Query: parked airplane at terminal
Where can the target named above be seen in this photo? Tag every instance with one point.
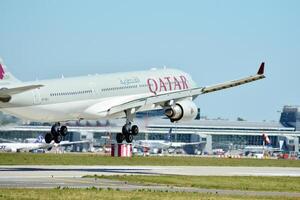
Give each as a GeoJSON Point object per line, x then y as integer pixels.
{"type": "Point", "coordinates": [39, 143]}
{"type": "Point", "coordinates": [106, 96]}
{"type": "Point", "coordinates": [163, 144]}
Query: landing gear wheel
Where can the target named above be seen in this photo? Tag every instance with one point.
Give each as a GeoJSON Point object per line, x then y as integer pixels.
{"type": "Point", "coordinates": [55, 129]}
{"type": "Point", "coordinates": [58, 139]}
{"type": "Point", "coordinates": [120, 138]}
{"type": "Point", "coordinates": [134, 130]}
{"type": "Point", "coordinates": [63, 131]}
{"type": "Point", "coordinates": [48, 138]}
{"type": "Point", "coordinates": [126, 129]}
{"type": "Point", "coordinates": [129, 138]}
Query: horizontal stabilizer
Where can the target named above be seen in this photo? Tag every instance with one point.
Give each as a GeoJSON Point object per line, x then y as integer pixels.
{"type": "Point", "coordinates": [6, 93]}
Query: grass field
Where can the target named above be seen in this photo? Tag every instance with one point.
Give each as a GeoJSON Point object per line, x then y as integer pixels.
{"type": "Point", "coordinates": [93, 159]}
{"type": "Point", "coordinates": [74, 194]}
{"type": "Point", "coordinates": [280, 184]}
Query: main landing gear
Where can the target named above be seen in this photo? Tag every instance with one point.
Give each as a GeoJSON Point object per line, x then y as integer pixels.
{"type": "Point", "coordinates": [128, 130]}
{"type": "Point", "coordinates": [57, 133]}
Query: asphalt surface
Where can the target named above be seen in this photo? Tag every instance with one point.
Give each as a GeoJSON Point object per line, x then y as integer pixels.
{"type": "Point", "coordinates": [79, 171]}
{"type": "Point", "coordinates": [71, 177]}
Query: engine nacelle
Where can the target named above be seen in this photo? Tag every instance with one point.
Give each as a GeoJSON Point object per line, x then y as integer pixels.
{"type": "Point", "coordinates": [182, 110]}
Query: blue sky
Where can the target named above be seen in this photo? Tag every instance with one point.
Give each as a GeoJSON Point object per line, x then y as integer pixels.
{"type": "Point", "coordinates": [212, 40]}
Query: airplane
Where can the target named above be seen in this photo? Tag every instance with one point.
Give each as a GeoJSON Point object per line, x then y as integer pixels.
{"type": "Point", "coordinates": [163, 144]}
{"type": "Point", "coordinates": [39, 143]}
{"type": "Point", "coordinates": [155, 145]}
{"type": "Point", "coordinates": [106, 96]}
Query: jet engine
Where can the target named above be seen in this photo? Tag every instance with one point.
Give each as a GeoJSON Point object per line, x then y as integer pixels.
{"type": "Point", "coordinates": [182, 110]}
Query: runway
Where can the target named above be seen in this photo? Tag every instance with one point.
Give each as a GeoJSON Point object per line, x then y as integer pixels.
{"type": "Point", "coordinates": [79, 171]}
{"type": "Point", "coordinates": [71, 176]}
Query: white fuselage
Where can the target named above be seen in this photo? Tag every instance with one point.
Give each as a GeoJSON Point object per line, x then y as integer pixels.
{"type": "Point", "coordinates": [14, 147]}
{"type": "Point", "coordinates": [86, 97]}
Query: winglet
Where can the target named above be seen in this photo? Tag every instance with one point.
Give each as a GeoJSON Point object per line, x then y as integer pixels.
{"type": "Point", "coordinates": [261, 69]}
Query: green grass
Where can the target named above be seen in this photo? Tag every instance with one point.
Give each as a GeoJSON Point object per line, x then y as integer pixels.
{"type": "Point", "coordinates": [93, 159]}
{"type": "Point", "coordinates": [74, 194]}
{"type": "Point", "coordinates": [280, 184]}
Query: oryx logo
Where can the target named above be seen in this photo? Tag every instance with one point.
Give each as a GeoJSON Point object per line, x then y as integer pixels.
{"type": "Point", "coordinates": [2, 72]}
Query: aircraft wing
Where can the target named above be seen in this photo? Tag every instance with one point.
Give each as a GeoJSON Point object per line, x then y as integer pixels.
{"type": "Point", "coordinates": [163, 98]}
{"type": "Point", "coordinates": [47, 146]}
{"type": "Point", "coordinates": [34, 146]}
{"type": "Point", "coordinates": [6, 93]}
{"type": "Point", "coordinates": [258, 76]}
{"type": "Point", "coordinates": [2, 140]}
{"type": "Point", "coordinates": [181, 144]}
{"type": "Point", "coordinates": [66, 143]}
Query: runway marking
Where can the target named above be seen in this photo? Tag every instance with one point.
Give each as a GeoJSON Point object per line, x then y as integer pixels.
{"type": "Point", "coordinates": [73, 180]}
{"type": "Point", "coordinates": [105, 183]}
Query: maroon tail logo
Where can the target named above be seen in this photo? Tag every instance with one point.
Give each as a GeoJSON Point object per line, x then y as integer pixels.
{"type": "Point", "coordinates": [2, 72]}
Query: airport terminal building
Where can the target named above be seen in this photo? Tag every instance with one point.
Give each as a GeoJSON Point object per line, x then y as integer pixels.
{"type": "Point", "coordinates": [229, 135]}
{"type": "Point", "coordinates": [234, 135]}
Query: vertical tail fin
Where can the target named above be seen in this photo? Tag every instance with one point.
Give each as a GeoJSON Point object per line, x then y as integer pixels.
{"type": "Point", "coordinates": [39, 139]}
{"type": "Point", "coordinates": [168, 136]}
{"type": "Point", "coordinates": [6, 77]}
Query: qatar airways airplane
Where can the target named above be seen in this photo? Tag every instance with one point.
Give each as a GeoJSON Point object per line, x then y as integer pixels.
{"type": "Point", "coordinates": [106, 96]}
